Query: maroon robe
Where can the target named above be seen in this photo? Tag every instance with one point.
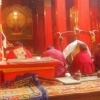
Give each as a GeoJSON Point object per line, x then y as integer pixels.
{"type": "Point", "coordinates": [60, 69]}
{"type": "Point", "coordinates": [97, 59]}
{"type": "Point", "coordinates": [82, 62]}
{"type": "Point", "coordinates": [11, 54]}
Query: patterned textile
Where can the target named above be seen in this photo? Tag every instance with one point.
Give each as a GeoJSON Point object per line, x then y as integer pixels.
{"type": "Point", "coordinates": [21, 93]}
{"type": "Point", "coordinates": [56, 88]}
{"type": "Point", "coordinates": [26, 87]}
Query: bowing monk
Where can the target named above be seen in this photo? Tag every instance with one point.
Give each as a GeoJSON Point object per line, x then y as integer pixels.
{"type": "Point", "coordinates": [18, 52]}
{"type": "Point", "coordinates": [82, 62]}
{"type": "Point", "coordinates": [60, 69]}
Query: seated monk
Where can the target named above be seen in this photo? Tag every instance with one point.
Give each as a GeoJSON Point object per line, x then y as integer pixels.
{"type": "Point", "coordinates": [18, 52]}
{"type": "Point", "coordinates": [82, 62]}
{"type": "Point", "coordinates": [60, 69]}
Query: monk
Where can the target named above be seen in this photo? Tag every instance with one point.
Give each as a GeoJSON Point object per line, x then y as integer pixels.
{"type": "Point", "coordinates": [18, 52]}
{"type": "Point", "coordinates": [82, 62]}
{"type": "Point", "coordinates": [72, 49]}
{"type": "Point", "coordinates": [97, 57]}
{"type": "Point", "coordinates": [60, 69]}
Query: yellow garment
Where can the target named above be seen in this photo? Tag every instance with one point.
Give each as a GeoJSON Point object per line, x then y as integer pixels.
{"type": "Point", "coordinates": [20, 53]}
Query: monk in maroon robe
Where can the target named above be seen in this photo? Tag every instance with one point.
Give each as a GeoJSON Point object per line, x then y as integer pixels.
{"type": "Point", "coordinates": [60, 69]}
{"type": "Point", "coordinates": [82, 62]}
{"type": "Point", "coordinates": [97, 57]}
{"type": "Point", "coordinates": [18, 52]}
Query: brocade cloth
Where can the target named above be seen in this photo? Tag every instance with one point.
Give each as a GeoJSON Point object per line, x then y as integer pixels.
{"type": "Point", "coordinates": [25, 87]}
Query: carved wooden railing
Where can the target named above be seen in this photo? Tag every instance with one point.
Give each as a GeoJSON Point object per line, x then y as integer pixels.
{"type": "Point", "coordinates": [91, 38]}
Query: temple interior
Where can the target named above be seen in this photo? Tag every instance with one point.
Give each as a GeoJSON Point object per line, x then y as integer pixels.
{"type": "Point", "coordinates": [39, 24]}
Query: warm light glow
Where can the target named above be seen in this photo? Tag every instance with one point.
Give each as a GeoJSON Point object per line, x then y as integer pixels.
{"type": "Point", "coordinates": [15, 13]}
{"type": "Point", "coordinates": [0, 2]}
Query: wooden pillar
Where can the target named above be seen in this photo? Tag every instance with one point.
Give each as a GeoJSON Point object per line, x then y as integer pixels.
{"type": "Point", "coordinates": [39, 38]}
{"type": "Point", "coordinates": [1, 47]}
{"type": "Point", "coordinates": [82, 17]}
{"type": "Point", "coordinates": [43, 26]}
{"type": "Point", "coordinates": [82, 20]}
{"type": "Point", "coordinates": [48, 23]}
{"type": "Point", "coordinates": [59, 20]}
{"type": "Point", "coordinates": [94, 14]}
{"type": "Point", "coordinates": [0, 26]}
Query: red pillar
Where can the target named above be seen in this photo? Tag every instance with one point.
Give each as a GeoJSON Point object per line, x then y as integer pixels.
{"type": "Point", "coordinates": [39, 30]}
{"type": "Point", "coordinates": [48, 23]}
{"type": "Point", "coordinates": [43, 26]}
{"type": "Point", "coordinates": [82, 14]}
{"type": "Point", "coordinates": [82, 20]}
{"type": "Point", "coordinates": [0, 29]}
{"type": "Point", "coordinates": [59, 20]}
{"type": "Point", "coordinates": [1, 47]}
{"type": "Point", "coordinates": [94, 14]}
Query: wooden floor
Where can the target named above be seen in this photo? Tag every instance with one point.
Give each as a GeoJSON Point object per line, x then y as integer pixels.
{"type": "Point", "coordinates": [88, 90]}
{"type": "Point", "coordinates": [87, 96]}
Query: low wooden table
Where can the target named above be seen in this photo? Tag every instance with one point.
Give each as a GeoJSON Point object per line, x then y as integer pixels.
{"type": "Point", "coordinates": [43, 67]}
